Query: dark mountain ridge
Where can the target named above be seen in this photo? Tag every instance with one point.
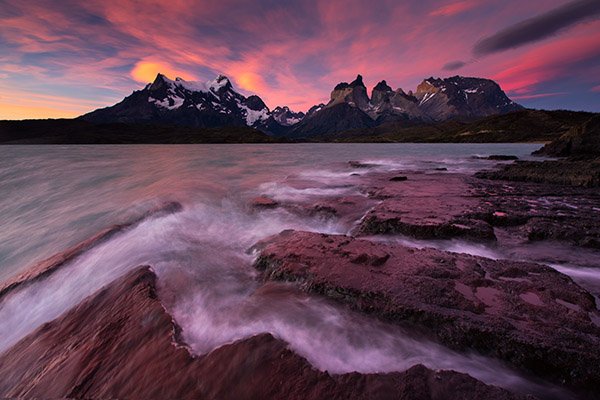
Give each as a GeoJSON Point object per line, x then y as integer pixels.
{"type": "Point", "coordinates": [216, 103]}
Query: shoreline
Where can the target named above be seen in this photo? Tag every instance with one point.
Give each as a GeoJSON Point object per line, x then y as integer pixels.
{"type": "Point", "coordinates": [418, 206]}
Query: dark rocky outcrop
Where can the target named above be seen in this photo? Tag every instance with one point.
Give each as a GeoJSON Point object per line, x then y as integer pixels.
{"type": "Point", "coordinates": [501, 157]}
{"type": "Point", "coordinates": [527, 314]}
{"type": "Point", "coordinates": [585, 173]}
{"type": "Point", "coordinates": [121, 343]}
{"type": "Point", "coordinates": [581, 167]}
{"type": "Point", "coordinates": [263, 202]}
{"type": "Point", "coordinates": [540, 211]}
{"type": "Point", "coordinates": [580, 141]}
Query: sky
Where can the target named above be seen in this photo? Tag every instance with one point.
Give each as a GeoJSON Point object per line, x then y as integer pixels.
{"type": "Point", "coordinates": [65, 58]}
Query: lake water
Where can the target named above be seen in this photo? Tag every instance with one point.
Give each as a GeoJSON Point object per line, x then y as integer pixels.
{"type": "Point", "coordinates": [52, 197]}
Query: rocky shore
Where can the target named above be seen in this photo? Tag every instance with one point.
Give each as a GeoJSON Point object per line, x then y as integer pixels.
{"type": "Point", "coordinates": [527, 314]}
{"type": "Point", "coordinates": [121, 342]}
{"type": "Point", "coordinates": [580, 165]}
{"type": "Point", "coordinates": [515, 311]}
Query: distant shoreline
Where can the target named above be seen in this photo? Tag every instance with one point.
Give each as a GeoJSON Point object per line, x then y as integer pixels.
{"type": "Point", "coordinates": [528, 126]}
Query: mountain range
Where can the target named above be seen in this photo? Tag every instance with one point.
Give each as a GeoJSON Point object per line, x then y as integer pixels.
{"type": "Point", "coordinates": [216, 103]}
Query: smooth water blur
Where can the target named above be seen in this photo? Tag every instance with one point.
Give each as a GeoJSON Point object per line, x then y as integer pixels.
{"type": "Point", "coordinates": [55, 196]}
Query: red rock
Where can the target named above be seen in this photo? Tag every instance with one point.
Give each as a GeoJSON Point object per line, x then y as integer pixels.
{"type": "Point", "coordinates": [121, 343]}
{"type": "Point", "coordinates": [468, 302]}
{"type": "Point", "coordinates": [424, 207]}
{"type": "Point", "coordinates": [263, 202]}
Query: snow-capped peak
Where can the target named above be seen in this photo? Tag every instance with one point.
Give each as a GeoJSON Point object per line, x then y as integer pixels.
{"type": "Point", "coordinates": [211, 86]}
{"type": "Point", "coordinates": [219, 82]}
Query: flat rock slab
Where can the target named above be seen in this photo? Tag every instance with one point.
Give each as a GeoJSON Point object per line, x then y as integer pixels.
{"type": "Point", "coordinates": [584, 173]}
{"type": "Point", "coordinates": [541, 211]}
{"type": "Point", "coordinates": [121, 343]}
{"type": "Point", "coordinates": [527, 314]}
{"type": "Point", "coordinates": [425, 206]}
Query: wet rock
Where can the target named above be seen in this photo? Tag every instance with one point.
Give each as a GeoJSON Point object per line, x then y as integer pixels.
{"type": "Point", "coordinates": [263, 202]}
{"type": "Point", "coordinates": [585, 173]}
{"type": "Point", "coordinates": [387, 219]}
{"type": "Point", "coordinates": [398, 178]}
{"type": "Point", "coordinates": [359, 164]}
{"type": "Point", "coordinates": [55, 262]}
{"type": "Point", "coordinates": [538, 211]}
{"type": "Point", "coordinates": [424, 207]}
{"type": "Point", "coordinates": [582, 232]}
{"type": "Point", "coordinates": [121, 343]}
{"type": "Point", "coordinates": [579, 141]}
{"type": "Point", "coordinates": [501, 157]}
{"type": "Point", "coordinates": [505, 309]}
{"type": "Point", "coordinates": [345, 209]}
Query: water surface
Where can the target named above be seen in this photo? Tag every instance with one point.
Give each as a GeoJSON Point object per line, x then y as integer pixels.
{"type": "Point", "coordinates": [56, 196]}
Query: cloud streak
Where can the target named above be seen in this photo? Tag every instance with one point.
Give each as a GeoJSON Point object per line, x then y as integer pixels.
{"type": "Point", "coordinates": [290, 53]}
{"type": "Point", "coordinates": [539, 27]}
{"type": "Point", "coordinates": [454, 65]}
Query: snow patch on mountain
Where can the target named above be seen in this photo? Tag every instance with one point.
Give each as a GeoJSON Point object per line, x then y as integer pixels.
{"type": "Point", "coordinates": [169, 103]}
{"type": "Point", "coordinates": [252, 116]}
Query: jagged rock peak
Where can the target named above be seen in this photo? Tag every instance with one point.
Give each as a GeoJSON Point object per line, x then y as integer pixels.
{"type": "Point", "coordinates": [358, 82]}
{"type": "Point", "coordinates": [381, 93]}
{"type": "Point", "coordinates": [314, 109]}
{"type": "Point", "coordinates": [218, 85]}
{"type": "Point", "coordinates": [382, 87]}
{"type": "Point", "coordinates": [254, 102]}
{"type": "Point", "coordinates": [159, 82]}
{"type": "Point", "coordinates": [286, 117]}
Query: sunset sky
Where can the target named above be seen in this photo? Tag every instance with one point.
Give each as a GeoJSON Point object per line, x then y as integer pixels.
{"type": "Point", "coordinates": [65, 58]}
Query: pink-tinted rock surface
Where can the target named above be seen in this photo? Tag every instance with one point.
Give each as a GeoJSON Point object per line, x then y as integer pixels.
{"type": "Point", "coordinates": [540, 211]}
{"type": "Point", "coordinates": [121, 343]}
{"type": "Point", "coordinates": [511, 310]}
{"type": "Point", "coordinates": [434, 206]}
{"type": "Point", "coordinates": [264, 202]}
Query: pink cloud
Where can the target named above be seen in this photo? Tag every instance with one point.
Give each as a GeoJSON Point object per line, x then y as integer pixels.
{"type": "Point", "coordinates": [537, 96]}
{"type": "Point", "coordinates": [291, 54]}
{"type": "Point", "coordinates": [550, 61]}
{"type": "Point", "coordinates": [454, 8]}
